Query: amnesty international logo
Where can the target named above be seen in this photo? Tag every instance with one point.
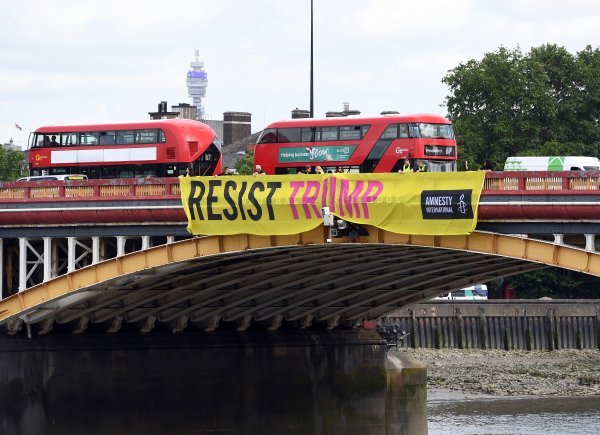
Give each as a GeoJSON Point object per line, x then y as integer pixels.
{"type": "Point", "coordinates": [462, 205]}
{"type": "Point", "coordinates": [446, 204]}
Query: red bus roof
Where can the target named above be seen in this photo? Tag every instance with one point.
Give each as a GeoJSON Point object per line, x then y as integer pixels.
{"type": "Point", "coordinates": [355, 120]}
{"type": "Point", "coordinates": [158, 123]}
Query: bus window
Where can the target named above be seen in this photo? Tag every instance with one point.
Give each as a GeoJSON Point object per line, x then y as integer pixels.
{"type": "Point", "coordinates": [145, 136]}
{"type": "Point", "coordinates": [437, 131]}
{"type": "Point", "coordinates": [125, 171]}
{"type": "Point", "coordinates": [308, 134]}
{"type": "Point", "coordinates": [441, 166]}
{"type": "Point", "coordinates": [41, 140]}
{"type": "Point", "coordinates": [69, 139]}
{"type": "Point", "coordinates": [269, 135]}
{"type": "Point", "coordinates": [403, 130]}
{"type": "Point", "coordinates": [90, 138]}
{"type": "Point", "coordinates": [413, 130]}
{"type": "Point", "coordinates": [350, 132]}
{"type": "Point", "coordinates": [329, 133]}
{"type": "Point", "coordinates": [391, 132]}
{"type": "Point", "coordinates": [288, 135]}
{"type": "Point", "coordinates": [108, 138]}
{"type": "Point", "coordinates": [125, 137]}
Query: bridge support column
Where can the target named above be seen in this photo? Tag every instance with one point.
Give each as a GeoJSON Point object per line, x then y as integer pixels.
{"type": "Point", "coordinates": [301, 382]}
{"type": "Point", "coordinates": [95, 249]}
{"type": "Point", "coordinates": [559, 239]}
{"type": "Point", "coordinates": [22, 263]}
{"type": "Point", "coordinates": [71, 254]}
{"type": "Point", "coordinates": [590, 242]}
{"type": "Point", "coordinates": [145, 242]}
{"type": "Point", "coordinates": [47, 258]}
{"type": "Point", "coordinates": [121, 240]}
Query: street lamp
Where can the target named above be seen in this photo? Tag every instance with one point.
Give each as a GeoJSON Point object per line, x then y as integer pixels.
{"type": "Point", "coordinates": [312, 107]}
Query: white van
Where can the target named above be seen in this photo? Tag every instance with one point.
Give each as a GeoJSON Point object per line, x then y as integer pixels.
{"type": "Point", "coordinates": [476, 292]}
{"type": "Point", "coordinates": [568, 163]}
{"type": "Point", "coordinates": [61, 177]}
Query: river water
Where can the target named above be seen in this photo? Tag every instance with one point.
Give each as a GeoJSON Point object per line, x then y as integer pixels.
{"type": "Point", "coordinates": [455, 413]}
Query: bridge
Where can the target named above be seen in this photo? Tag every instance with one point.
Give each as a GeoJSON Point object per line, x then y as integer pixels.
{"type": "Point", "coordinates": [57, 238]}
{"type": "Point", "coordinates": [107, 299]}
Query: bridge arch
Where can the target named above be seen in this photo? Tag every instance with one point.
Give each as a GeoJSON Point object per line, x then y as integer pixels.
{"type": "Point", "coordinates": [299, 280]}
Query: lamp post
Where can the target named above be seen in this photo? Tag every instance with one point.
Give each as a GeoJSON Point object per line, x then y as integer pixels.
{"type": "Point", "coordinates": [312, 108]}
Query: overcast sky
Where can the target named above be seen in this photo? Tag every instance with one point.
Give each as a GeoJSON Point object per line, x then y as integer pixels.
{"type": "Point", "coordinates": [69, 61]}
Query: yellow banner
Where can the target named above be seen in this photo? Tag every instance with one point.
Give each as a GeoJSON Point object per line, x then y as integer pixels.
{"type": "Point", "coordinates": [436, 203]}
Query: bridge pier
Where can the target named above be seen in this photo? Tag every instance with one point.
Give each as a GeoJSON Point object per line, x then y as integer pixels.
{"type": "Point", "coordinates": [292, 382]}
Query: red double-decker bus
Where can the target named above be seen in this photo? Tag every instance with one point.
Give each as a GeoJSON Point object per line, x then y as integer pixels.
{"type": "Point", "coordinates": [357, 144]}
{"type": "Point", "coordinates": [160, 148]}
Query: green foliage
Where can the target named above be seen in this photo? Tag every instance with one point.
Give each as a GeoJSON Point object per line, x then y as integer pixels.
{"type": "Point", "coordinates": [508, 103]}
{"type": "Point", "coordinates": [245, 166]}
{"type": "Point", "coordinates": [554, 283]}
{"type": "Point", "coordinates": [10, 164]}
{"type": "Point", "coordinates": [545, 102]}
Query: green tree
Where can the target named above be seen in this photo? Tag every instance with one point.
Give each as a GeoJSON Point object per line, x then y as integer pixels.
{"type": "Point", "coordinates": [552, 282]}
{"type": "Point", "coordinates": [245, 166]}
{"type": "Point", "coordinates": [10, 164]}
{"type": "Point", "coordinates": [508, 103]}
{"type": "Point", "coordinates": [545, 102]}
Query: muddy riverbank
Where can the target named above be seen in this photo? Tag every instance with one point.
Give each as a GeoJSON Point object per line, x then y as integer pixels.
{"type": "Point", "coordinates": [512, 373]}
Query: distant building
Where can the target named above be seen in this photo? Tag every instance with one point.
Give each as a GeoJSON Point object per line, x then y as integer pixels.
{"type": "Point", "coordinates": [300, 113]}
{"type": "Point", "coordinates": [186, 111]}
{"type": "Point", "coordinates": [162, 112]}
{"type": "Point", "coordinates": [216, 125]}
{"type": "Point", "coordinates": [197, 81]}
{"type": "Point", "coordinates": [346, 112]}
{"type": "Point", "coordinates": [236, 126]}
{"type": "Point", "coordinates": [10, 146]}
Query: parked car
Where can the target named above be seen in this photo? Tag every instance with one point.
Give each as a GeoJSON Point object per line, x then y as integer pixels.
{"type": "Point", "coordinates": [476, 292]}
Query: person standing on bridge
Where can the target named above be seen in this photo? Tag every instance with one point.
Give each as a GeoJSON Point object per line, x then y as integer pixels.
{"type": "Point", "coordinates": [405, 166]}
{"type": "Point", "coordinates": [420, 167]}
{"type": "Point", "coordinates": [259, 171]}
{"type": "Point", "coordinates": [487, 165]}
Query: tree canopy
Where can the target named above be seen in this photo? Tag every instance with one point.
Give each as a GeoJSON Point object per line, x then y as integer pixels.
{"type": "Point", "coordinates": [545, 102]}
{"type": "Point", "coordinates": [245, 166]}
{"type": "Point", "coordinates": [10, 164]}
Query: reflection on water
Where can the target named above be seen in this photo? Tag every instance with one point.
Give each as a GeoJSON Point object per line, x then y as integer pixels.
{"type": "Point", "coordinates": [455, 414]}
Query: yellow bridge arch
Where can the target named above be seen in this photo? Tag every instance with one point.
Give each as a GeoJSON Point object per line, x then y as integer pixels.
{"type": "Point", "coordinates": [297, 279]}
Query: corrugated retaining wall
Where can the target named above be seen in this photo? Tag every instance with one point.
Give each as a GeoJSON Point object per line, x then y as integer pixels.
{"type": "Point", "coordinates": [500, 324]}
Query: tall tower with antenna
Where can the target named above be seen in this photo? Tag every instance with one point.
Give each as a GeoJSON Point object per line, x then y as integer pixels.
{"type": "Point", "coordinates": [197, 80]}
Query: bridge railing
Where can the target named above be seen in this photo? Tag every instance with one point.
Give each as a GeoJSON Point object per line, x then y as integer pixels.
{"type": "Point", "coordinates": [90, 189]}
{"type": "Point", "coordinates": [540, 182]}
{"type": "Point", "coordinates": [496, 183]}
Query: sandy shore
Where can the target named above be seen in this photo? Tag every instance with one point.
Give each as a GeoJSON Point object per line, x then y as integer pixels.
{"type": "Point", "coordinates": [513, 373]}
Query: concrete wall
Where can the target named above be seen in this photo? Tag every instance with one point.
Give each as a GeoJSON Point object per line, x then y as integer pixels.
{"type": "Point", "coordinates": [517, 324]}
{"type": "Point", "coordinates": [338, 382]}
